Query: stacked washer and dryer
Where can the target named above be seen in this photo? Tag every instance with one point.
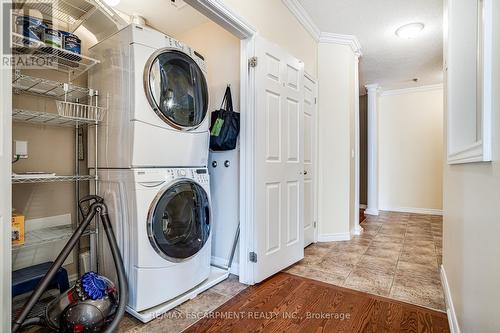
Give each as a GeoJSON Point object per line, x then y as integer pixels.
{"type": "Point", "coordinates": [152, 163]}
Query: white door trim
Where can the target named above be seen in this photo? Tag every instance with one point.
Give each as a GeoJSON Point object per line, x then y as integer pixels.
{"type": "Point", "coordinates": [247, 166]}
{"type": "Point", "coordinates": [372, 208]}
{"type": "Point", "coordinates": [357, 229]}
{"type": "Point", "coordinates": [221, 14]}
{"type": "Point", "coordinates": [315, 154]}
{"type": "Point", "coordinates": [5, 185]}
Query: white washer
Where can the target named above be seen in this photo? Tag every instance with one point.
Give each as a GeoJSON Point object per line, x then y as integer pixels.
{"type": "Point", "coordinates": [161, 219]}
{"type": "Point", "coordinates": [158, 101]}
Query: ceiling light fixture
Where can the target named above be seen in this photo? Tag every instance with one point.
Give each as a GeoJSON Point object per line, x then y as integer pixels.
{"type": "Point", "coordinates": [112, 3]}
{"type": "Point", "coordinates": [409, 31]}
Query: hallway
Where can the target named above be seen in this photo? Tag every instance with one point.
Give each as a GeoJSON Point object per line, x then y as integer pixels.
{"type": "Point", "coordinates": [397, 256]}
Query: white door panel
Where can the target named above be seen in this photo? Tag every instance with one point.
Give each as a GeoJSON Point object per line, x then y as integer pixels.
{"type": "Point", "coordinates": [309, 159]}
{"type": "Point", "coordinates": [279, 153]}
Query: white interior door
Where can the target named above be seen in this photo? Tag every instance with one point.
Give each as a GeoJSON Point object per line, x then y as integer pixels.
{"type": "Point", "coordinates": [279, 165]}
{"type": "Point", "coordinates": [309, 160]}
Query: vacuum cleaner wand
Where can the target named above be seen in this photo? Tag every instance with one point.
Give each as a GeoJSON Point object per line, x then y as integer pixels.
{"type": "Point", "coordinates": [97, 206]}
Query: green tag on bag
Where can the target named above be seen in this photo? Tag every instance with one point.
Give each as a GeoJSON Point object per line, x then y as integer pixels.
{"type": "Point", "coordinates": [217, 127]}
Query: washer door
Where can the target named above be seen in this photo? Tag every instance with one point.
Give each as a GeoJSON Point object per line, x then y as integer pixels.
{"type": "Point", "coordinates": [176, 89]}
{"type": "Point", "coordinates": [179, 221]}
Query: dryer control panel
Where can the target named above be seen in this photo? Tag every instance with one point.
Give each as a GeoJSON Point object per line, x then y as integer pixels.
{"type": "Point", "coordinates": [198, 58]}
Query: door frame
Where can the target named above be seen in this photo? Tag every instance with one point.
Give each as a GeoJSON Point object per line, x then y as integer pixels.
{"type": "Point", "coordinates": [6, 185]}
{"type": "Point", "coordinates": [315, 154]}
{"type": "Point", "coordinates": [357, 229]}
{"type": "Point", "coordinates": [223, 15]}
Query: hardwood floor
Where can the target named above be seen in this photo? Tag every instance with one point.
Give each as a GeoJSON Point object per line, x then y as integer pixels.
{"type": "Point", "coordinates": [289, 303]}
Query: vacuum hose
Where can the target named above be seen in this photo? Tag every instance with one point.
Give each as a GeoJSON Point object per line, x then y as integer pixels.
{"type": "Point", "coordinates": [97, 206]}
{"type": "Point", "coordinates": [120, 272]}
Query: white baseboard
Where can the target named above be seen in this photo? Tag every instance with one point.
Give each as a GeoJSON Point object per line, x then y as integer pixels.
{"type": "Point", "coordinates": [235, 268]}
{"type": "Point", "coordinates": [357, 230]}
{"type": "Point", "coordinates": [371, 211]}
{"type": "Point", "coordinates": [426, 211]}
{"type": "Point", "coordinates": [450, 309]}
{"type": "Point", "coordinates": [342, 236]}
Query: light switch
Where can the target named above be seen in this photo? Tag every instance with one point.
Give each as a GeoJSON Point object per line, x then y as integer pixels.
{"type": "Point", "coordinates": [21, 149]}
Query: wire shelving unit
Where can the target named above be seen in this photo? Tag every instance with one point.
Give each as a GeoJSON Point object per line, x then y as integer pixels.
{"type": "Point", "coordinates": [46, 236]}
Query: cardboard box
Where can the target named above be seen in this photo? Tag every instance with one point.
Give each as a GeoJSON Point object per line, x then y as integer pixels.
{"type": "Point", "coordinates": [17, 228]}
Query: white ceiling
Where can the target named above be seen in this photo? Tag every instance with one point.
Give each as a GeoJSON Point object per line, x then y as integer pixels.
{"type": "Point", "coordinates": [163, 15]}
{"type": "Point", "coordinates": [387, 59]}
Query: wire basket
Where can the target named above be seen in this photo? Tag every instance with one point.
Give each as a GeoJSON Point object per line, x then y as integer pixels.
{"type": "Point", "coordinates": [79, 111]}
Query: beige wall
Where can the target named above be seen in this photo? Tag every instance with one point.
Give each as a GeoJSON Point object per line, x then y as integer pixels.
{"type": "Point", "coordinates": [221, 51]}
{"type": "Point", "coordinates": [410, 150]}
{"type": "Point", "coordinates": [276, 23]}
{"type": "Point", "coordinates": [335, 130]}
{"type": "Point", "coordinates": [222, 54]}
{"type": "Point", "coordinates": [471, 244]}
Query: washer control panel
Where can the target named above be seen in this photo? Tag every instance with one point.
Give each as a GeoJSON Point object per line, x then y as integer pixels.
{"type": "Point", "coordinates": [201, 175]}
{"type": "Point", "coordinates": [151, 176]}
{"type": "Point", "coordinates": [198, 174]}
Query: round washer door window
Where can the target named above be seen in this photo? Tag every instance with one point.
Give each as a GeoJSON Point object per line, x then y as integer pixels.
{"type": "Point", "coordinates": [179, 224]}
{"type": "Point", "coordinates": [177, 89]}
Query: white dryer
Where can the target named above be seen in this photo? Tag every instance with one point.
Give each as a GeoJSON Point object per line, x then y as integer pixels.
{"type": "Point", "coordinates": [162, 222]}
{"type": "Point", "coordinates": [158, 101]}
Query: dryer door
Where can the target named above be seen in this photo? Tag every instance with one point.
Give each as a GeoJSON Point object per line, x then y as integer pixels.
{"type": "Point", "coordinates": [176, 89]}
{"type": "Point", "coordinates": [179, 221]}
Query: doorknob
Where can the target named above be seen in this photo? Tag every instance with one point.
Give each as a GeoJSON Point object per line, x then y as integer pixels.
{"type": "Point", "coordinates": [305, 172]}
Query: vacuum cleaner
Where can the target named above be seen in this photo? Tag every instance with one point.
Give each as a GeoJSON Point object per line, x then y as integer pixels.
{"type": "Point", "coordinates": [94, 303]}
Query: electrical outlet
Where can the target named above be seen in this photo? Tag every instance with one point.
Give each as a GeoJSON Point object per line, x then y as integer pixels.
{"type": "Point", "coordinates": [20, 149]}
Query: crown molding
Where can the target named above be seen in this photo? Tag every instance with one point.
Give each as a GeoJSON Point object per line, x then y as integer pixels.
{"type": "Point", "coordinates": [412, 90]}
{"type": "Point", "coordinates": [303, 17]}
{"type": "Point", "coordinates": [350, 40]}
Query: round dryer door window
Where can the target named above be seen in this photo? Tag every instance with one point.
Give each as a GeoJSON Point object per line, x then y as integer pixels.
{"type": "Point", "coordinates": [179, 221]}
{"type": "Point", "coordinates": [177, 89]}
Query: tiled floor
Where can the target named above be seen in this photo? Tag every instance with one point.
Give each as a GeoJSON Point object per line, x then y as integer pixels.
{"type": "Point", "coordinates": [187, 313]}
{"type": "Point", "coordinates": [398, 255]}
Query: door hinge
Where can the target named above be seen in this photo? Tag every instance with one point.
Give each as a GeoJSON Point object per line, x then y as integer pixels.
{"type": "Point", "coordinates": [252, 62]}
{"type": "Point", "coordinates": [314, 224]}
{"type": "Point", "coordinates": [315, 100]}
{"type": "Point", "coordinates": [252, 256]}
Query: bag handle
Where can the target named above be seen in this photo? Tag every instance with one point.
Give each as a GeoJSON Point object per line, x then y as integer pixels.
{"type": "Point", "coordinates": [228, 100]}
